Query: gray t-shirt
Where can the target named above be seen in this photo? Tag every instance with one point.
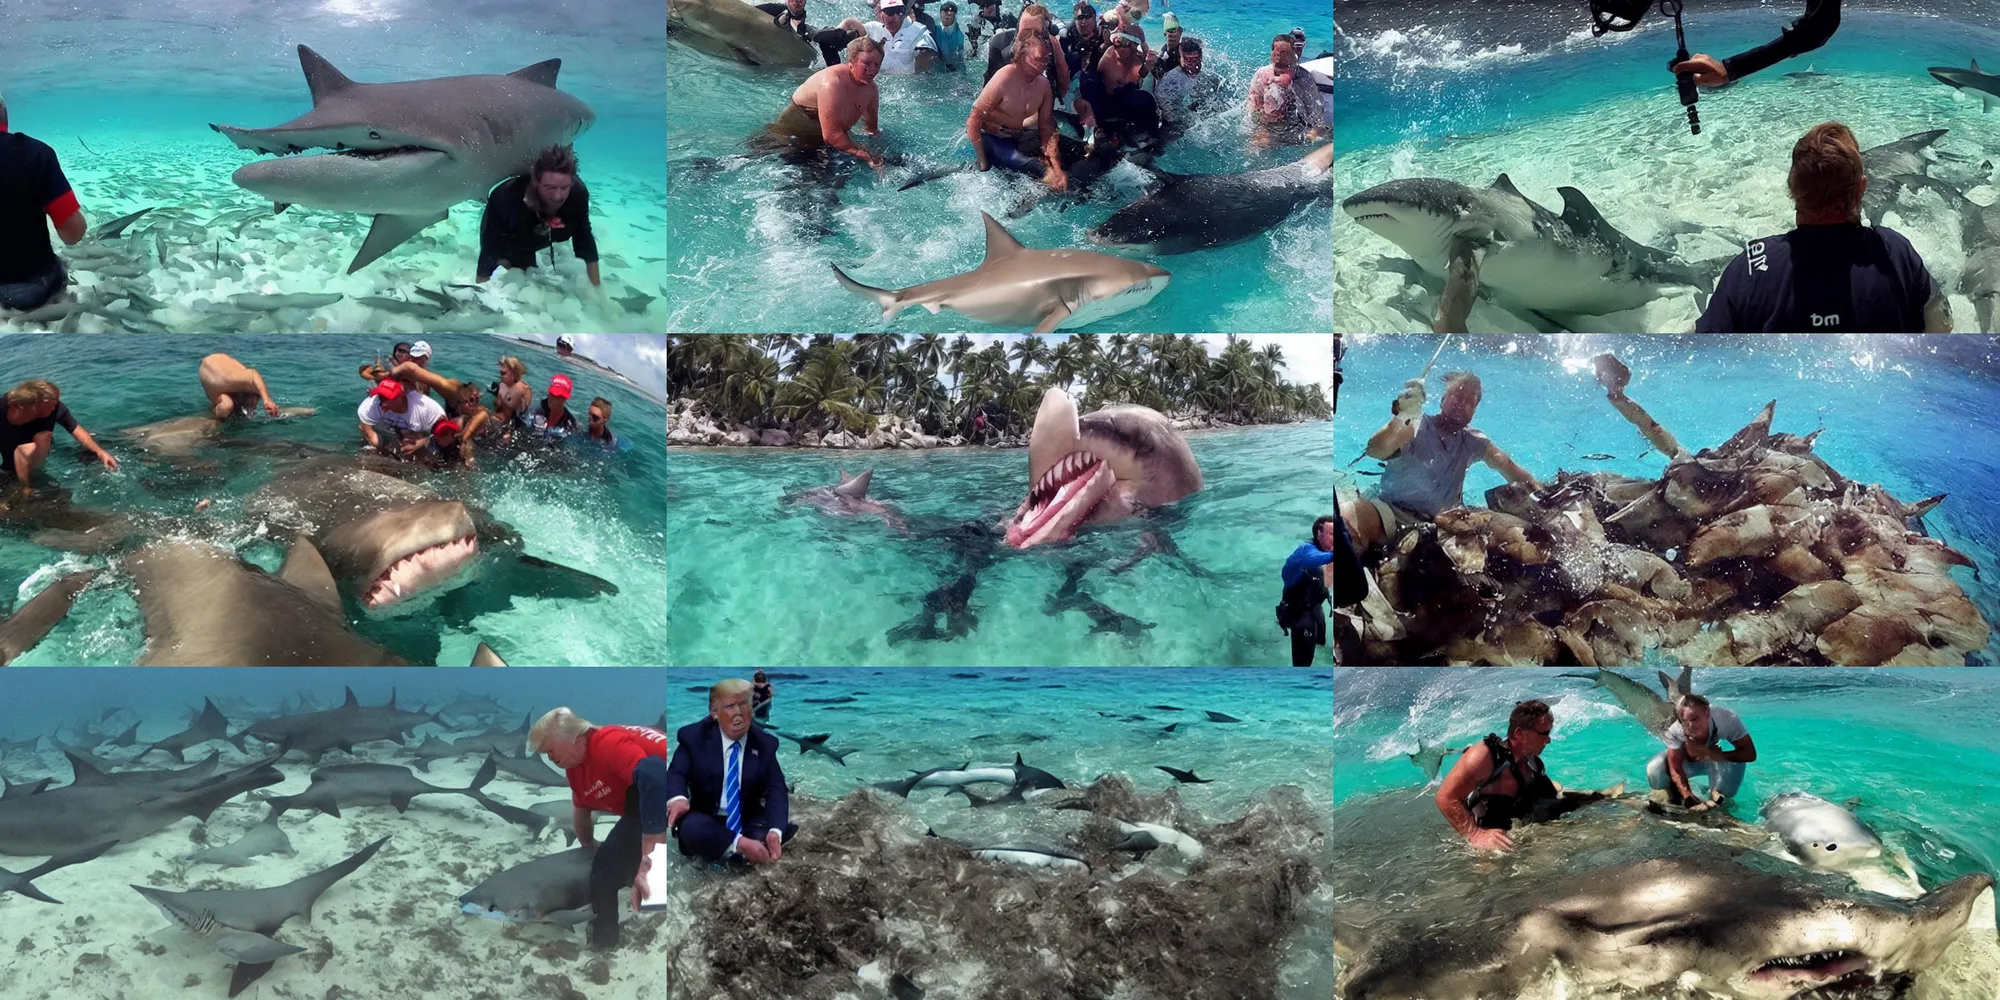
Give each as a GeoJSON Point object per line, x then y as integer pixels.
{"type": "Point", "coordinates": [1428, 475]}
{"type": "Point", "coordinates": [1723, 726]}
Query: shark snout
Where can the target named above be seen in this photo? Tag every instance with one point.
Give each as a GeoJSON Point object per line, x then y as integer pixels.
{"type": "Point", "coordinates": [400, 554]}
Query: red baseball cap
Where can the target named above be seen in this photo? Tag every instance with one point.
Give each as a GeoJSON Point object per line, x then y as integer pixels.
{"type": "Point", "coordinates": [388, 389]}
{"type": "Point", "coordinates": [559, 386]}
{"type": "Point", "coordinates": [444, 425]}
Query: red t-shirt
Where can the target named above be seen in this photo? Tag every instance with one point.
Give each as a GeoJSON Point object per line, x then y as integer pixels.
{"type": "Point", "coordinates": [605, 775]}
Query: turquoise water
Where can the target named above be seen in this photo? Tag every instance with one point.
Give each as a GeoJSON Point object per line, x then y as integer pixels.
{"type": "Point", "coordinates": [393, 928]}
{"type": "Point", "coordinates": [1524, 90]}
{"type": "Point", "coordinates": [749, 258]}
{"type": "Point", "coordinates": [1544, 409]}
{"type": "Point", "coordinates": [124, 92]}
{"type": "Point", "coordinates": [1914, 745]}
{"type": "Point", "coordinates": [757, 582]}
{"type": "Point", "coordinates": [598, 513]}
{"type": "Point", "coordinates": [902, 720]}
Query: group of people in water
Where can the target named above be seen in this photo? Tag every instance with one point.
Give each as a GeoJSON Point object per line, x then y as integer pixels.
{"type": "Point", "coordinates": [1125, 94]}
{"type": "Point", "coordinates": [400, 418]}
{"type": "Point", "coordinates": [1499, 781]}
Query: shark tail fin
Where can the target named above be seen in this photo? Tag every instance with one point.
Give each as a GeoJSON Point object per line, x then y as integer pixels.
{"type": "Point", "coordinates": [890, 301]}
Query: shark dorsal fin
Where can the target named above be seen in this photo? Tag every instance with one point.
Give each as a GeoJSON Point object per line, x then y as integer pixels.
{"type": "Point", "coordinates": [321, 78]}
{"type": "Point", "coordinates": [1579, 214]}
{"type": "Point", "coordinates": [543, 72]}
{"type": "Point", "coordinates": [86, 773]}
{"type": "Point", "coordinates": [306, 569]}
{"type": "Point", "coordinates": [1505, 184]}
{"type": "Point", "coordinates": [857, 487]}
{"type": "Point", "coordinates": [999, 242]}
{"type": "Point", "coordinates": [352, 701]}
{"type": "Point", "coordinates": [1975, 66]}
{"type": "Point", "coordinates": [1017, 758]}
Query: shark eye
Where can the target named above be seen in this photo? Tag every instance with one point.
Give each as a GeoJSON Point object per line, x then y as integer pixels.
{"type": "Point", "coordinates": [1832, 847]}
{"type": "Point", "coordinates": [372, 134]}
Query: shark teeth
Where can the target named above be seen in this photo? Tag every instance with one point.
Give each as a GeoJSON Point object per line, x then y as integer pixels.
{"type": "Point", "coordinates": [418, 570]}
{"type": "Point", "coordinates": [1075, 465]}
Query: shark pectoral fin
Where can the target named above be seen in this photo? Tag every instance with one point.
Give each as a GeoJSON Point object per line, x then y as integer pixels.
{"type": "Point", "coordinates": [570, 918]}
{"type": "Point", "coordinates": [484, 656]}
{"type": "Point", "coordinates": [306, 569]}
{"type": "Point", "coordinates": [543, 72]}
{"type": "Point", "coordinates": [322, 79]}
{"type": "Point", "coordinates": [999, 242]}
{"type": "Point", "coordinates": [247, 972]}
{"type": "Point", "coordinates": [389, 232]}
{"type": "Point", "coordinates": [1054, 319]}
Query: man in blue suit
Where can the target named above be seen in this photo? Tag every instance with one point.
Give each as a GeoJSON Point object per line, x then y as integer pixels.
{"type": "Point", "coordinates": [725, 790]}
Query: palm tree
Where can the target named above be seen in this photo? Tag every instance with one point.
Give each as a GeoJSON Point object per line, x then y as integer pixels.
{"type": "Point", "coordinates": [1065, 364]}
{"type": "Point", "coordinates": [750, 386]}
{"type": "Point", "coordinates": [1031, 349]}
{"type": "Point", "coordinates": [826, 393]}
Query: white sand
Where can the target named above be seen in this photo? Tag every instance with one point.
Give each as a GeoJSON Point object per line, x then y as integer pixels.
{"type": "Point", "coordinates": [392, 930]}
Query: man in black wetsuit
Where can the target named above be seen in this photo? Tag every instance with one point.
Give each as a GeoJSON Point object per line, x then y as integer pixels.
{"type": "Point", "coordinates": [1497, 781]}
{"type": "Point", "coordinates": [527, 214]}
{"type": "Point", "coordinates": [790, 14]}
{"type": "Point", "coordinates": [1821, 20]}
{"type": "Point", "coordinates": [27, 432]}
{"type": "Point", "coordinates": [32, 186]}
{"type": "Point", "coordinates": [1831, 273]}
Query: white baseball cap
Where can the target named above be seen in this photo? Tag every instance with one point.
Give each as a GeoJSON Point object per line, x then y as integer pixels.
{"type": "Point", "coordinates": [566, 341]}
{"type": "Point", "coordinates": [420, 349]}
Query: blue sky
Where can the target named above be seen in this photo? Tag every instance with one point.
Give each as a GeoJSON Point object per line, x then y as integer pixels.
{"type": "Point", "coordinates": [641, 357]}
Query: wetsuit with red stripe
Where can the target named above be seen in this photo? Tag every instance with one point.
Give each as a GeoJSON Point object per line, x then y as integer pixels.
{"type": "Point", "coordinates": [32, 187]}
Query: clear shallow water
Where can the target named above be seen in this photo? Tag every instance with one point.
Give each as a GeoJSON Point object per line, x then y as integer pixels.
{"type": "Point", "coordinates": [754, 582]}
{"type": "Point", "coordinates": [907, 719]}
{"type": "Point", "coordinates": [1421, 93]}
{"type": "Point", "coordinates": [393, 928]}
{"type": "Point", "coordinates": [125, 92]}
{"type": "Point", "coordinates": [598, 513]}
{"type": "Point", "coordinates": [1544, 409]}
{"type": "Point", "coordinates": [745, 257]}
{"type": "Point", "coordinates": [1914, 745]}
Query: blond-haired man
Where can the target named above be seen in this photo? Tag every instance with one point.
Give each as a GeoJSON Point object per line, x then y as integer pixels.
{"type": "Point", "coordinates": [615, 769]}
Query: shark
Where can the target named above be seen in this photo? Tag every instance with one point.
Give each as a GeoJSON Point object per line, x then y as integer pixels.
{"type": "Point", "coordinates": [38, 615]}
{"type": "Point", "coordinates": [554, 888]}
{"type": "Point", "coordinates": [389, 542]}
{"type": "Point", "coordinates": [267, 837]}
{"type": "Point", "coordinates": [314, 733]}
{"type": "Point", "coordinates": [1014, 286]}
{"type": "Point", "coordinates": [1018, 774]}
{"type": "Point", "coordinates": [1986, 85]}
{"type": "Point", "coordinates": [849, 498]}
{"type": "Point", "coordinates": [24, 882]}
{"type": "Point", "coordinates": [241, 921]}
{"type": "Point", "coordinates": [209, 725]}
{"type": "Point", "coordinates": [1097, 469]}
{"type": "Point", "coordinates": [369, 784]}
{"type": "Point", "coordinates": [1185, 214]}
{"type": "Point", "coordinates": [93, 810]}
{"type": "Point", "coordinates": [816, 743]}
{"type": "Point", "coordinates": [406, 152]}
{"type": "Point", "coordinates": [529, 768]}
{"type": "Point", "coordinates": [1652, 711]}
{"type": "Point", "coordinates": [204, 606]}
{"type": "Point", "coordinates": [1545, 268]}
{"type": "Point", "coordinates": [1979, 234]}
{"type": "Point", "coordinates": [737, 32]}
{"type": "Point", "coordinates": [1889, 167]}
{"type": "Point", "coordinates": [1620, 900]}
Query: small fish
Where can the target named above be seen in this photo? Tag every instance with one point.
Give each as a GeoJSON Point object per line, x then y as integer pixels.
{"type": "Point", "coordinates": [1598, 456]}
{"type": "Point", "coordinates": [1219, 717]}
{"type": "Point", "coordinates": [1165, 708]}
{"type": "Point", "coordinates": [1366, 473]}
{"type": "Point", "coordinates": [1185, 777]}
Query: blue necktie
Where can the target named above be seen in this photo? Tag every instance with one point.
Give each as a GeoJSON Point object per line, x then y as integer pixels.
{"type": "Point", "coordinates": [732, 783]}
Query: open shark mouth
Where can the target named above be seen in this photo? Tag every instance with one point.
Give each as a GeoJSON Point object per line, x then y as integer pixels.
{"type": "Point", "coordinates": [1065, 497]}
{"type": "Point", "coordinates": [421, 571]}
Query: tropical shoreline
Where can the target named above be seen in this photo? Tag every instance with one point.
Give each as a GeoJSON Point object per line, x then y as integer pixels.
{"type": "Point", "coordinates": [872, 392]}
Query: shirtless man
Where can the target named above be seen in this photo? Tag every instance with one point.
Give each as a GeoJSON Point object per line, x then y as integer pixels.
{"type": "Point", "coordinates": [829, 103]}
{"type": "Point", "coordinates": [235, 389]}
{"type": "Point", "coordinates": [513, 398]}
{"type": "Point", "coordinates": [1018, 99]}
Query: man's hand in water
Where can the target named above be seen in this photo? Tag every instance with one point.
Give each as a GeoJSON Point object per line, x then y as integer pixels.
{"type": "Point", "coordinates": [1410, 403]}
{"type": "Point", "coordinates": [270, 407]}
{"type": "Point", "coordinates": [1611, 374]}
{"type": "Point", "coordinates": [1707, 71]}
{"type": "Point", "coordinates": [1055, 179]}
{"type": "Point", "coordinates": [1490, 840]}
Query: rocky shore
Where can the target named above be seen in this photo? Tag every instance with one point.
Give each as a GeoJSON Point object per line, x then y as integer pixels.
{"type": "Point", "coordinates": [692, 423]}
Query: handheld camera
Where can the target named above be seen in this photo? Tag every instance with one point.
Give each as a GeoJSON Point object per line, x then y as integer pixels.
{"type": "Point", "coordinates": [1624, 15]}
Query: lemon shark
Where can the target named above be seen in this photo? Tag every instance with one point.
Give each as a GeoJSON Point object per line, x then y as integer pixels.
{"type": "Point", "coordinates": [97, 808]}
{"type": "Point", "coordinates": [1548, 269]}
{"type": "Point", "coordinates": [1099, 468]}
{"type": "Point", "coordinates": [1186, 214]}
{"type": "Point", "coordinates": [1974, 79]}
{"type": "Point", "coordinates": [738, 32]}
{"type": "Point", "coordinates": [406, 152]}
{"type": "Point", "coordinates": [1017, 287]}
